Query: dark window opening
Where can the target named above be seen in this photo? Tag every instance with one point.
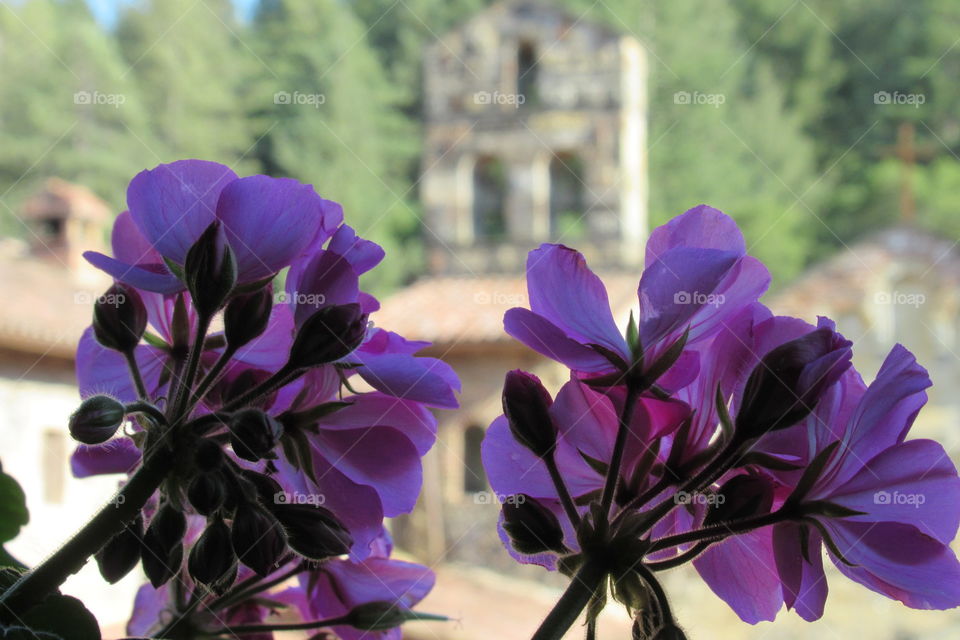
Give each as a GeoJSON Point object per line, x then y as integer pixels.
{"type": "Point", "coordinates": [489, 197]}
{"type": "Point", "coordinates": [567, 201]}
{"type": "Point", "coordinates": [527, 74]}
{"type": "Point", "coordinates": [474, 477]}
{"type": "Point", "coordinates": [51, 227]}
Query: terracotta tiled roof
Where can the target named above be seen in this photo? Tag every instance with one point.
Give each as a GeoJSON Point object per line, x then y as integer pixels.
{"type": "Point", "coordinates": [451, 311]}
{"type": "Point", "coordinates": [44, 310]}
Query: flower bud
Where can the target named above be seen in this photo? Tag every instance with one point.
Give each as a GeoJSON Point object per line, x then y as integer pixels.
{"type": "Point", "coordinates": [525, 405]}
{"type": "Point", "coordinates": [253, 434]}
{"type": "Point", "coordinates": [532, 527]}
{"type": "Point", "coordinates": [162, 550]}
{"type": "Point", "coordinates": [257, 538]}
{"type": "Point", "coordinates": [122, 553]}
{"type": "Point", "coordinates": [789, 381]}
{"type": "Point", "coordinates": [262, 487]}
{"type": "Point", "coordinates": [328, 335]}
{"type": "Point", "coordinates": [206, 492]}
{"type": "Point", "coordinates": [246, 316]}
{"type": "Point", "coordinates": [208, 455]}
{"type": "Point", "coordinates": [742, 496]}
{"type": "Point", "coordinates": [313, 532]}
{"type": "Point", "coordinates": [119, 318]}
{"type": "Point", "coordinates": [210, 270]}
{"type": "Point", "coordinates": [212, 556]}
{"type": "Point", "coordinates": [97, 419]}
{"type": "Point", "coordinates": [381, 615]}
{"type": "Point", "coordinates": [669, 632]}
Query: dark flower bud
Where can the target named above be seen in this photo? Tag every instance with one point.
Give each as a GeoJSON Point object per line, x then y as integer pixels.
{"type": "Point", "coordinates": [119, 318]}
{"type": "Point", "coordinates": [742, 496]}
{"type": "Point", "coordinates": [263, 488]}
{"type": "Point", "coordinates": [122, 553]}
{"type": "Point", "coordinates": [226, 391]}
{"type": "Point", "coordinates": [246, 316]}
{"type": "Point", "coordinates": [212, 556]}
{"type": "Point", "coordinates": [257, 538]}
{"type": "Point", "coordinates": [208, 455]}
{"type": "Point", "coordinates": [162, 550]}
{"type": "Point", "coordinates": [532, 527]}
{"type": "Point", "coordinates": [789, 381]}
{"type": "Point", "coordinates": [97, 419]}
{"type": "Point", "coordinates": [253, 434]}
{"type": "Point", "coordinates": [381, 615]}
{"type": "Point", "coordinates": [210, 270]}
{"type": "Point", "coordinates": [206, 492]}
{"type": "Point", "coordinates": [313, 532]}
{"type": "Point", "coordinates": [328, 335]}
{"type": "Point", "coordinates": [525, 405]}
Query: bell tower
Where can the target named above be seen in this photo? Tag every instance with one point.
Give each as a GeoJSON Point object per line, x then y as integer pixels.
{"type": "Point", "coordinates": [535, 131]}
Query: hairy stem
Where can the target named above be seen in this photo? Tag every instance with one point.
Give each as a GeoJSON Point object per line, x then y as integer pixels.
{"type": "Point", "coordinates": [568, 505]}
{"type": "Point", "coordinates": [37, 584]}
{"type": "Point", "coordinates": [613, 473]}
{"type": "Point", "coordinates": [585, 583]}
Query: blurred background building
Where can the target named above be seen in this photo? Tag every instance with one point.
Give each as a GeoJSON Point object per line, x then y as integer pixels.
{"type": "Point", "coordinates": [460, 134]}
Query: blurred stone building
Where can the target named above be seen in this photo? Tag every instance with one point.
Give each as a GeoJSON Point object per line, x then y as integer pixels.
{"type": "Point", "coordinates": [48, 292]}
{"type": "Point", "coordinates": [535, 131]}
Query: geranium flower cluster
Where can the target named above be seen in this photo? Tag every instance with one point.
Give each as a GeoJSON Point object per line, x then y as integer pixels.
{"type": "Point", "coordinates": [252, 454]}
{"type": "Point", "coordinates": [716, 433]}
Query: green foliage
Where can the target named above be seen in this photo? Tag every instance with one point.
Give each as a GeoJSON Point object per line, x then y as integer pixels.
{"type": "Point", "coordinates": [799, 151]}
{"type": "Point", "coordinates": [13, 516]}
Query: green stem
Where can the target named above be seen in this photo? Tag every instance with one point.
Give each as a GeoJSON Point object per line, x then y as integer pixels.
{"type": "Point", "coordinates": [666, 616]}
{"type": "Point", "coordinates": [280, 378]}
{"type": "Point", "coordinates": [264, 628]}
{"type": "Point", "coordinates": [135, 374]}
{"type": "Point", "coordinates": [717, 532]}
{"type": "Point", "coordinates": [37, 584]}
{"type": "Point", "coordinates": [183, 393]}
{"type": "Point", "coordinates": [568, 505]}
{"type": "Point", "coordinates": [209, 379]}
{"type": "Point", "coordinates": [613, 473]}
{"type": "Point", "coordinates": [681, 559]}
{"type": "Point", "coordinates": [585, 583]}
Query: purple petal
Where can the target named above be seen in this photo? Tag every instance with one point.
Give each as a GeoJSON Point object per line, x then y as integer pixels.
{"type": "Point", "coordinates": [118, 455]}
{"type": "Point", "coordinates": [328, 278]}
{"type": "Point", "coordinates": [568, 294]}
{"type": "Point", "coordinates": [546, 338]}
{"type": "Point", "coordinates": [804, 583]}
{"type": "Point", "coordinates": [174, 203]}
{"type": "Point", "coordinates": [702, 227]}
{"type": "Point", "coordinates": [914, 483]}
{"type": "Point", "coordinates": [268, 222]}
{"type": "Point", "coordinates": [898, 561]}
{"type": "Point", "coordinates": [426, 380]}
{"type": "Point", "coordinates": [362, 254]}
{"type": "Point", "coordinates": [512, 468]}
{"type": "Point", "coordinates": [101, 370]}
{"type": "Point", "coordinates": [680, 290]}
{"type": "Point", "coordinates": [410, 418]}
{"type": "Point", "coordinates": [378, 457]}
{"type": "Point", "coordinates": [147, 277]}
{"type": "Point", "coordinates": [741, 570]}
{"type": "Point", "coordinates": [149, 608]}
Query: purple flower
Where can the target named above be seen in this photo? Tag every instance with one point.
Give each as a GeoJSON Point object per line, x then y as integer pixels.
{"type": "Point", "coordinates": [697, 275]}
{"type": "Point", "coordinates": [268, 222]}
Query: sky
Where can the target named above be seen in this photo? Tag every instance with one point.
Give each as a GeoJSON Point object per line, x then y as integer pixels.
{"type": "Point", "coordinates": [106, 11]}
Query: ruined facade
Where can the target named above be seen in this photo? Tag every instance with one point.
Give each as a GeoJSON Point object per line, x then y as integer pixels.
{"type": "Point", "coordinates": [534, 130]}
